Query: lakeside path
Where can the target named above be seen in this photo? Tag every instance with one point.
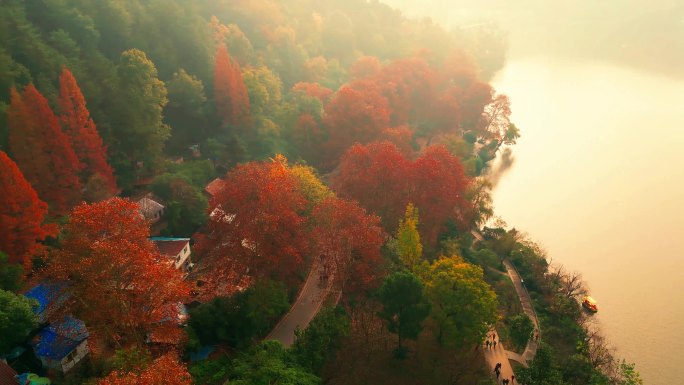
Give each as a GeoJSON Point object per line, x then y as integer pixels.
{"type": "Point", "coordinates": [500, 354]}
{"type": "Point", "coordinates": [305, 307]}
{"type": "Point", "coordinates": [526, 302]}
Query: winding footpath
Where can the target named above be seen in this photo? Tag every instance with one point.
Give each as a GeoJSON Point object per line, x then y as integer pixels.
{"type": "Point", "coordinates": [305, 308]}
{"type": "Point", "coordinates": [500, 354]}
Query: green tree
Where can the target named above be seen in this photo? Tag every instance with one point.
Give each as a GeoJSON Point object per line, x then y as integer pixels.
{"type": "Point", "coordinates": [463, 304]}
{"type": "Point", "coordinates": [10, 274]}
{"type": "Point", "coordinates": [131, 359]}
{"type": "Point", "coordinates": [404, 305]}
{"type": "Point", "coordinates": [627, 374]}
{"type": "Point", "coordinates": [407, 240]}
{"type": "Point", "coordinates": [314, 345]}
{"type": "Point", "coordinates": [238, 319]}
{"type": "Point", "coordinates": [268, 363]}
{"type": "Point", "coordinates": [185, 204]}
{"type": "Point", "coordinates": [542, 370]}
{"type": "Point", "coordinates": [185, 112]}
{"type": "Point", "coordinates": [138, 127]}
{"type": "Point", "coordinates": [16, 319]}
{"type": "Point", "coordinates": [521, 327]}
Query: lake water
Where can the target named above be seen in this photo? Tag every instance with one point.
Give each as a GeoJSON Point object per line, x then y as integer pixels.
{"type": "Point", "coordinates": [598, 180]}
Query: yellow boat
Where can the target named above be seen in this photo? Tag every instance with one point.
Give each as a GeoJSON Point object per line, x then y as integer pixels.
{"type": "Point", "coordinates": [589, 303]}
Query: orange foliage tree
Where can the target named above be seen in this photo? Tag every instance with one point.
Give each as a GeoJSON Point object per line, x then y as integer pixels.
{"type": "Point", "coordinates": [21, 215]}
{"type": "Point", "coordinates": [349, 238]}
{"type": "Point", "coordinates": [119, 284]}
{"type": "Point", "coordinates": [383, 181]}
{"type": "Point", "coordinates": [257, 221]}
{"type": "Point", "coordinates": [355, 114]}
{"type": "Point", "coordinates": [230, 93]}
{"type": "Point", "coordinates": [84, 138]}
{"type": "Point", "coordinates": [42, 151]}
{"type": "Point", "coordinates": [164, 370]}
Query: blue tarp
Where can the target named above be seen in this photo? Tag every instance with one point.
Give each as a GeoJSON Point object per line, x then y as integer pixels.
{"type": "Point", "coordinates": [202, 354]}
{"type": "Point", "coordinates": [60, 339]}
{"type": "Point", "coordinates": [46, 294]}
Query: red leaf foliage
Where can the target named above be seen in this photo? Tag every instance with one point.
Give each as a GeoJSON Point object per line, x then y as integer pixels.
{"type": "Point", "coordinates": [42, 151]}
{"type": "Point", "coordinates": [164, 370]}
{"type": "Point", "coordinates": [82, 133]}
{"type": "Point", "coordinates": [346, 236]}
{"type": "Point", "coordinates": [21, 215]}
{"type": "Point", "coordinates": [384, 181]}
{"type": "Point", "coordinates": [120, 285]}
{"type": "Point", "coordinates": [230, 93]}
{"type": "Point", "coordinates": [258, 223]}
{"type": "Point", "coordinates": [355, 114]}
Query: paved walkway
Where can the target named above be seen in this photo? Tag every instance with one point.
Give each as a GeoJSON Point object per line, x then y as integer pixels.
{"type": "Point", "coordinates": [526, 302]}
{"type": "Point", "coordinates": [305, 307]}
{"type": "Point", "coordinates": [500, 354]}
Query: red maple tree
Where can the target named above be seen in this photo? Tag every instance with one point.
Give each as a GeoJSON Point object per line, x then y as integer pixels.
{"type": "Point", "coordinates": [119, 284]}
{"type": "Point", "coordinates": [314, 90]}
{"type": "Point", "coordinates": [349, 239]}
{"type": "Point", "coordinates": [42, 151]}
{"type": "Point", "coordinates": [257, 221]}
{"type": "Point", "coordinates": [355, 114]}
{"type": "Point", "coordinates": [84, 138]}
{"type": "Point", "coordinates": [164, 370]}
{"type": "Point", "coordinates": [384, 181]}
{"type": "Point", "coordinates": [439, 188]}
{"type": "Point", "coordinates": [21, 215]}
{"type": "Point", "coordinates": [230, 94]}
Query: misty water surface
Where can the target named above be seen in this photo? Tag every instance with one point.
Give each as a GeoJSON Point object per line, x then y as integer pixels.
{"type": "Point", "coordinates": [598, 179]}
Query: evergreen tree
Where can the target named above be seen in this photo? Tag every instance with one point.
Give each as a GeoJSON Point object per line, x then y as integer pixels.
{"type": "Point", "coordinates": [138, 129]}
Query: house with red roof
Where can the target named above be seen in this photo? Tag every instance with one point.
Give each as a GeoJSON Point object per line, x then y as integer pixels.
{"type": "Point", "coordinates": [7, 375]}
{"type": "Point", "coordinates": [214, 187]}
{"type": "Point", "coordinates": [176, 249]}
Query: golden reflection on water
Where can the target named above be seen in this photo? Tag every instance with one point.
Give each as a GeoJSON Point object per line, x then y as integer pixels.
{"type": "Point", "coordinates": [598, 179]}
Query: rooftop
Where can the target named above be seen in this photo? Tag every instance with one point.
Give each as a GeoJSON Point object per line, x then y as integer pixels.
{"type": "Point", "coordinates": [215, 186]}
{"type": "Point", "coordinates": [7, 375]}
{"type": "Point", "coordinates": [46, 294]}
{"type": "Point", "coordinates": [149, 207]}
{"type": "Point", "coordinates": [170, 246]}
{"type": "Point", "coordinates": [60, 339]}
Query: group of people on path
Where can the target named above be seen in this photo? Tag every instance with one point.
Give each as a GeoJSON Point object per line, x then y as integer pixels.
{"type": "Point", "coordinates": [492, 343]}
{"type": "Point", "coordinates": [504, 381]}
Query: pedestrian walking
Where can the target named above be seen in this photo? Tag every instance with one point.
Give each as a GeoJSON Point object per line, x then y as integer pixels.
{"type": "Point", "coordinates": [488, 344]}
{"type": "Point", "coordinates": [512, 378]}
{"type": "Point", "coordinates": [494, 344]}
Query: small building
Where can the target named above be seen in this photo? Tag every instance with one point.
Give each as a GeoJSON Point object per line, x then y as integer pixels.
{"type": "Point", "coordinates": [61, 345]}
{"type": "Point", "coordinates": [176, 249]}
{"type": "Point", "coordinates": [150, 209]}
{"type": "Point", "coordinates": [7, 375]}
{"type": "Point", "coordinates": [49, 297]}
{"type": "Point", "coordinates": [214, 187]}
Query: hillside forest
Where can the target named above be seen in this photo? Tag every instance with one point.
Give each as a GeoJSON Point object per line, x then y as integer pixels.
{"type": "Point", "coordinates": [282, 139]}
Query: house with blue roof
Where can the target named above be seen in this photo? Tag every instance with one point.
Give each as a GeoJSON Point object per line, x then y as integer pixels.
{"type": "Point", "coordinates": [49, 297]}
{"type": "Point", "coordinates": [62, 344]}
